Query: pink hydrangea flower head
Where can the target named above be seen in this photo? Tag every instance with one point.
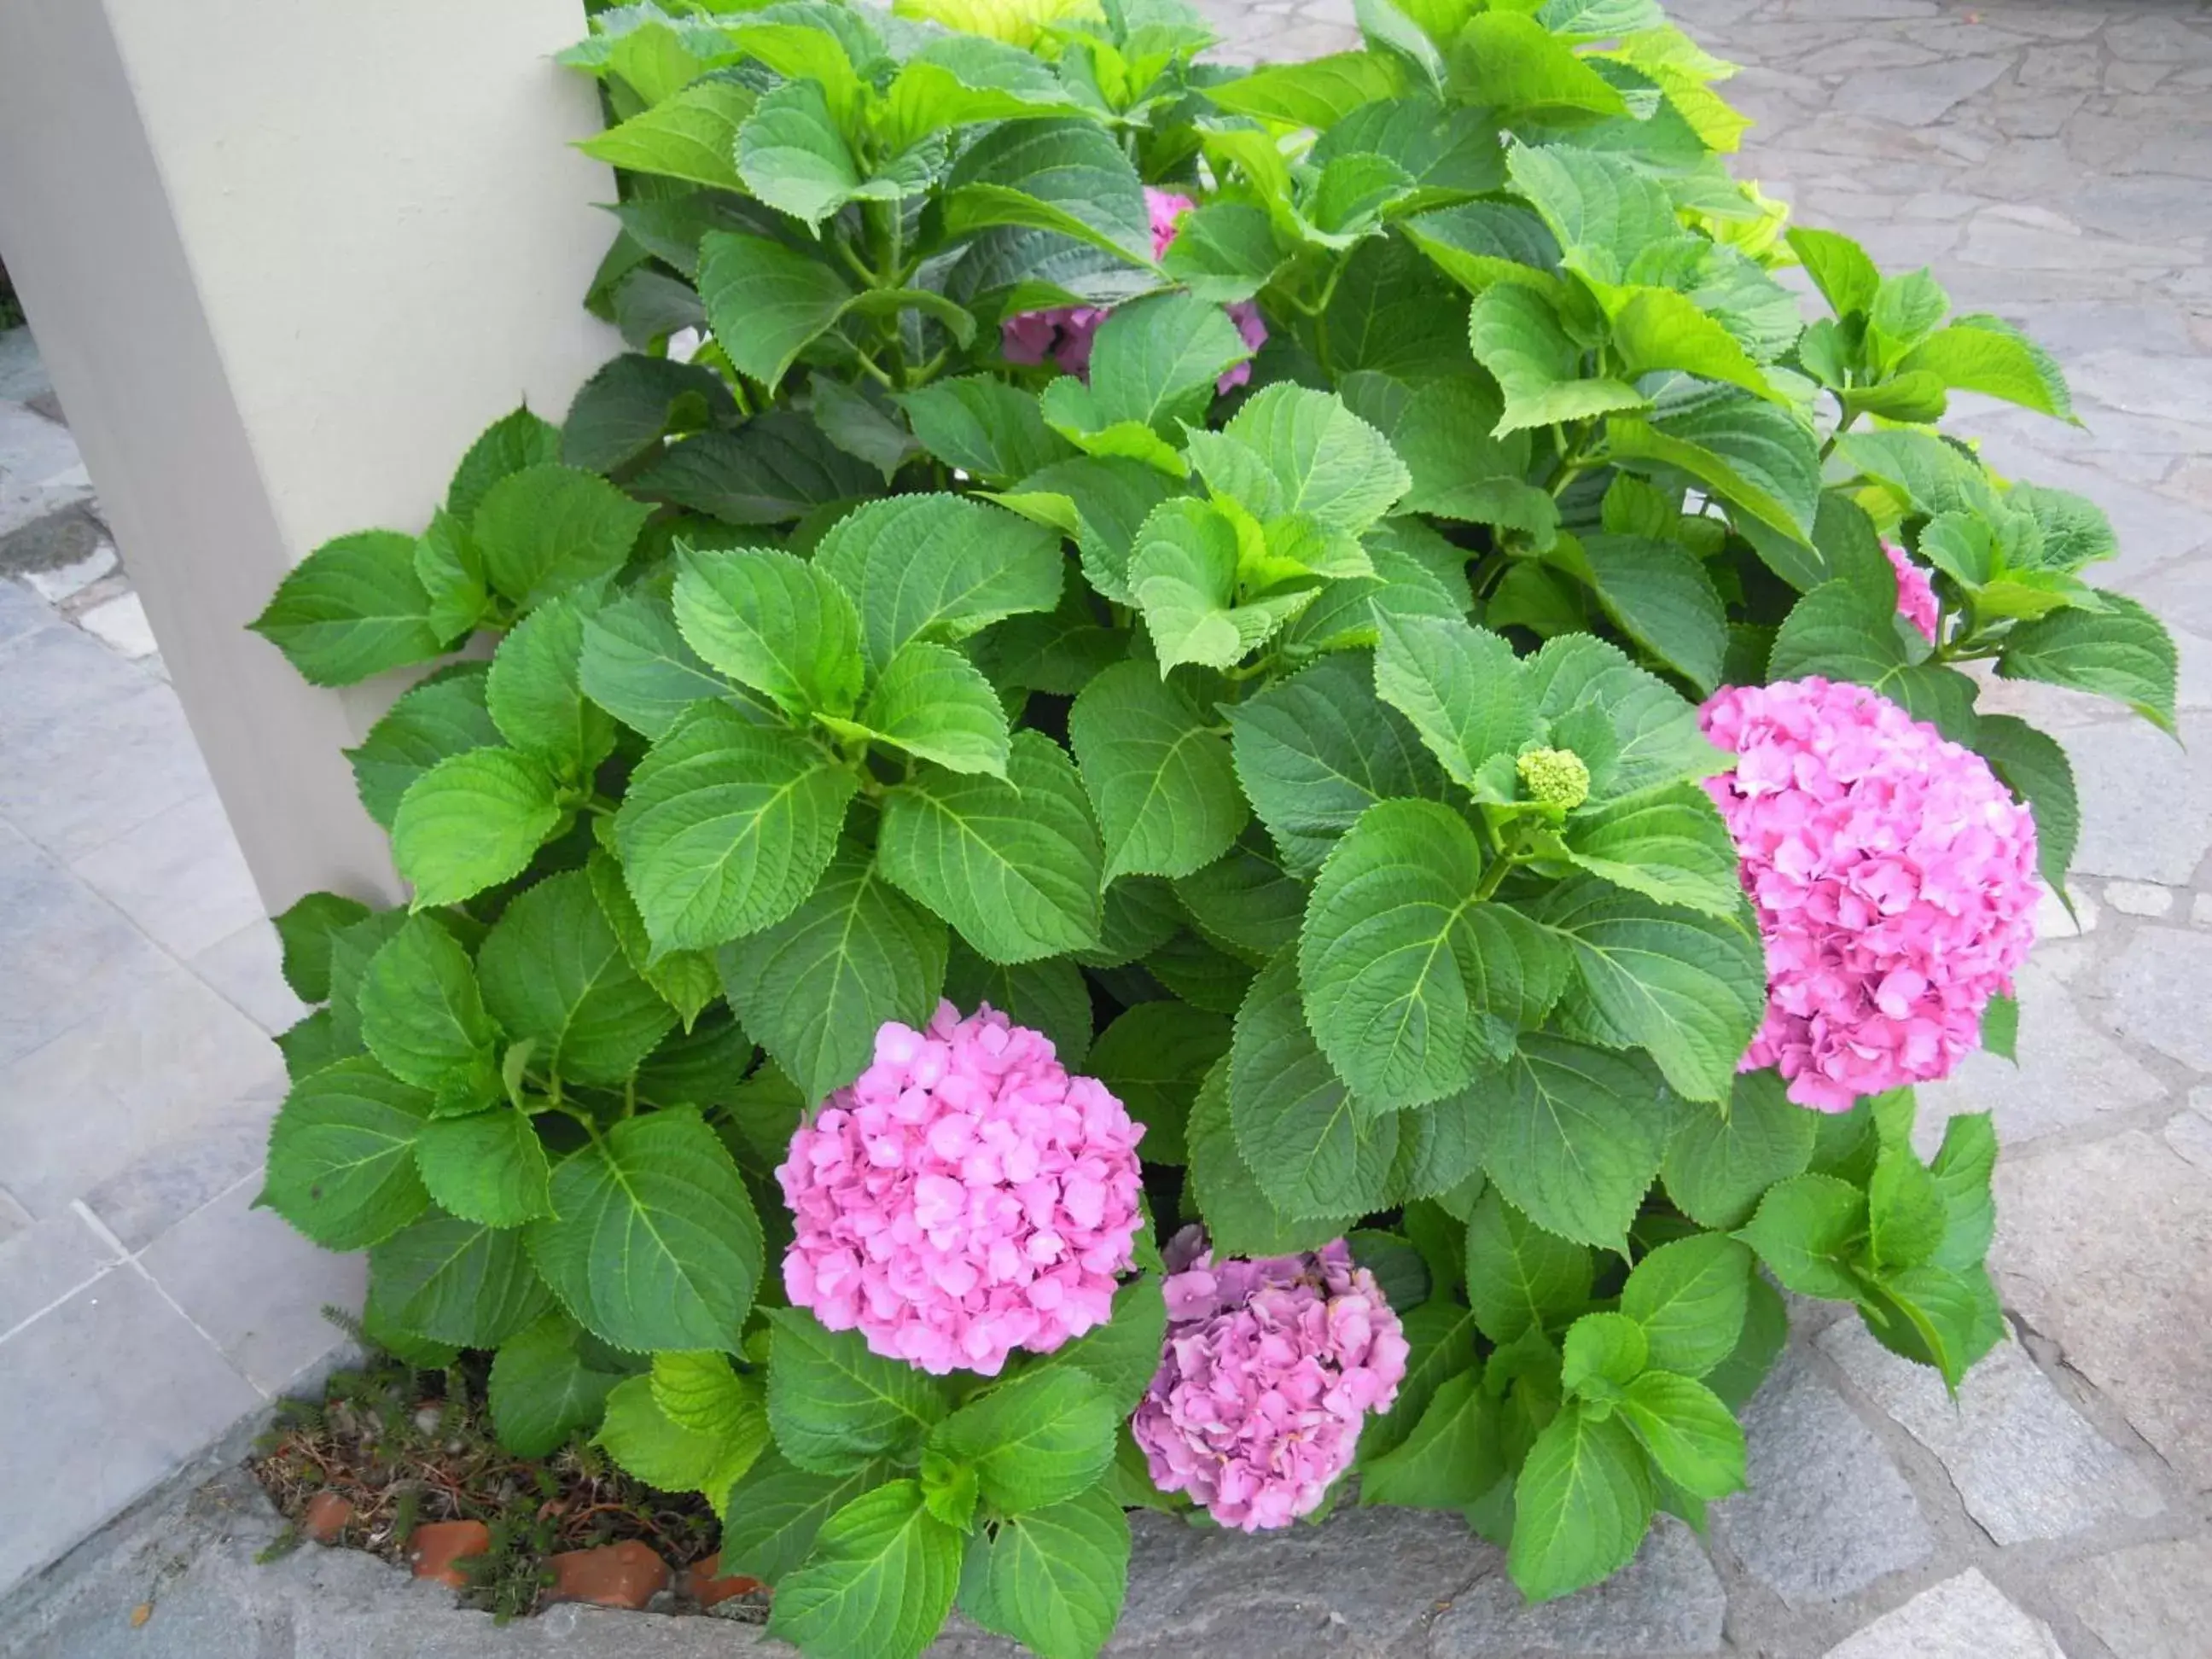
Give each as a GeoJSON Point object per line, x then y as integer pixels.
{"type": "Point", "coordinates": [1269, 1370]}
{"type": "Point", "coordinates": [964, 1198]}
{"type": "Point", "coordinates": [1894, 879]}
{"type": "Point", "coordinates": [1916, 594]}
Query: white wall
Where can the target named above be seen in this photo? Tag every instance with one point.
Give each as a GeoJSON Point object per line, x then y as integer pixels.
{"type": "Point", "coordinates": [285, 260]}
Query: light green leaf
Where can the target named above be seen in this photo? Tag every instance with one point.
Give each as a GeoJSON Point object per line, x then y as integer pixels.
{"type": "Point", "coordinates": [766, 302]}
{"type": "Point", "coordinates": [352, 608]}
{"type": "Point", "coordinates": [1224, 252]}
{"type": "Point", "coordinates": [961, 80]}
{"type": "Point", "coordinates": [1314, 1149]}
{"type": "Point", "coordinates": [517, 440]}
{"type": "Point", "coordinates": [1155, 361]}
{"type": "Point", "coordinates": [535, 695]}
{"type": "Point", "coordinates": [1580, 1504]}
{"type": "Point", "coordinates": [306, 932]}
{"type": "Point", "coordinates": [1315, 751]}
{"type": "Point", "coordinates": [1240, 1218]}
{"type": "Point", "coordinates": [342, 1155]}
{"type": "Point", "coordinates": [1040, 1440]}
{"type": "Point", "coordinates": [692, 136]}
{"type": "Point", "coordinates": [1661, 596]}
{"type": "Point", "coordinates": [1806, 1230]}
{"type": "Point", "coordinates": [1600, 208]}
{"type": "Point", "coordinates": [1451, 1458]}
{"type": "Point", "coordinates": [939, 568]}
{"type": "Point", "coordinates": [1690, 1297]}
{"type": "Point", "coordinates": [423, 1018]}
{"type": "Point", "coordinates": [488, 1167]}
{"type": "Point", "coordinates": [554, 972]}
{"type": "Point", "coordinates": [1906, 310]}
{"type": "Point", "coordinates": [1123, 1355]}
{"type": "Point", "coordinates": [1183, 576]}
{"type": "Point", "coordinates": [635, 665]}
{"type": "Point", "coordinates": [701, 1392]}
{"type": "Point", "coordinates": [542, 1391]}
{"type": "Point", "coordinates": [2121, 652]}
{"type": "Point", "coordinates": [1318, 93]}
{"type": "Point", "coordinates": [685, 979]}
{"type": "Point", "coordinates": [546, 529]}
{"type": "Point", "coordinates": [1153, 1057]}
{"type": "Point", "coordinates": [1600, 1353]}
{"type": "Point", "coordinates": [879, 1583]}
{"type": "Point", "coordinates": [775, 1511]}
{"type": "Point", "coordinates": [1987, 355]}
{"type": "Point", "coordinates": [652, 1446]}
{"type": "Point", "coordinates": [1052, 1579]}
{"type": "Point", "coordinates": [1906, 1213]}
{"type": "Point", "coordinates": [471, 822]}
{"type": "Point", "coordinates": [1719, 1162]}
{"type": "Point", "coordinates": [1751, 454]}
{"type": "Point", "coordinates": [934, 704]}
{"type": "Point", "coordinates": [1668, 843]}
{"type": "Point", "coordinates": [1840, 268]}
{"type": "Point", "coordinates": [455, 1281]}
{"type": "Point", "coordinates": [451, 570]}
{"type": "Point", "coordinates": [727, 826]}
{"type": "Point", "coordinates": [1656, 329]}
{"type": "Point", "coordinates": [1461, 688]}
{"type": "Point", "coordinates": [1573, 1142]}
{"type": "Point", "coordinates": [1692, 1437]}
{"type": "Point", "coordinates": [1068, 176]}
{"type": "Point", "coordinates": [775, 622]}
{"type": "Point", "coordinates": [1441, 427]}
{"type": "Point", "coordinates": [652, 1243]}
{"type": "Point", "coordinates": [1654, 726]}
{"type": "Point", "coordinates": [813, 989]}
{"type": "Point", "coordinates": [835, 1405]}
{"type": "Point", "coordinates": [792, 155]}
{"type": "Point", "coordinates": [1517, 335]}
{"type": "Point", "coordinates": [1158, 772]}
{"type": "Point", "coordinates": [986, 428]}
{"type": "Point", "coordinates": [1507, 62]}
{"type": "Point", "coordinates": [1302, 451]}
{"type": "Point", "coordinates": [444, 716]}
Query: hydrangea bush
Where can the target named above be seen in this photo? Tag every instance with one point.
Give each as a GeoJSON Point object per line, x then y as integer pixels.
{"type": "Point", "coordinates": [1320, 661]}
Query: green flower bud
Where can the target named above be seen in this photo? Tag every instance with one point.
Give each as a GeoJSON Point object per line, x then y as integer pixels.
{"type": "Point", "coordinates": [1555, 776]}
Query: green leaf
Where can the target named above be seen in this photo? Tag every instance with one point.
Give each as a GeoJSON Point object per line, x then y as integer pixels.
{"type": "Point", "coordinates": [351, 948]}
{"type": "Point", "coordinates": [342, 1155]}
{"type": "Point", "coordinates": [1517, 335]}
{"type": "Point", "coordinates": [792, 155]}
{"type": "Point", "coordinates": [1040, 1440]}
{"type": "Point", "coordinates": [939, 568]}
{"type": "Point", "coordinates": [776, 1511]}
{"type": "Point", "coordinates": [961, 80]}
{"type": "Point", "coordinates": [692, 136]}
{"type": "Point", "coordinates": [862, 424]}
{"type": "Point", "coordinates": [1656, 329]}
{"type": "Point", "coordinates": [1415, 987]}
{"type": "Point", "coordinates": [1519, 1276]}
{"type": "Point", "coordinates": [1052, 1579]}
{"type": "Point", "coordinates": [546, 529]}
{"type": "Point", "coordinates": [471, 822]}
{"type": "Point", "coordinates": [934, 704]}
{"type": "Point", "coordinates": [1751, 454]}
{"type": "Point", "coordinates": [984, 427]}
{"type": "Point", "coordinates": [1961, 1169]}
{"type": "Point", "coordinates": [1157, 771]}
{"type": "Point", "coordinates": [1315, 751]}
{"type": "Point", "coordinates": [813, 989]}
{"type": "Point", "coordinates": [835, 1405]}
{"type": "Point", "coordinates": [1451, 1458]}
{"type": "Point", "coordinates": [1051, 996]}
{"type": "Point", "coordinates": [1693, 1439]}
{"type": "Point", "coordinates": [455, 1281]}
{"type": "Point", "coordinates": [1906, 1213]}
{"type": "Point", "coordinates": [1183, 574]}
{"type": "Point", "coordinates": [1507, 62]}
{"type": "Point", "coordinates": [535, 697]}
{"type": "Point", "coordinates": [1573, 1142]}
{"type": "Point", "coordinates": [1314, 1149]}
{"type": "Point", "coordinates": [554, 972]}
{"type": "Point", "coordinates": [1240, 1218]}
{"type": "Point", "coordinates": [1806, 1230]}
{"type": "Point", "coordinates": [1840, 268]}
{"type": "Point", "coordinates": [1123, 1355]}
{"type": "Point", "coordinates": [1846, 632]}
{"type": "Point", "coordinates": [443, 716]}
{"type": "Point", "coordinates": [542, 1391]}
{"type": "Point", "coordinates": [685, 979]}
{"type": "Point", "coordinates": [1014, 864]}
{"type": "Point", "coordinates": [1068, 176]}
{"type": "Point", "coordinates": [1655, 728]}
{"type": "Point", "coordinates": [1987, 355]}
{"type": "Point", "coordinates": [1690, 1297]}
{"type": "Point", "coordinates": [1153, 1057]}
{"type": "Point", "coordinates": [778, 466]}
{"type": "Point", "coordinates": [1441, 429]}
{"type": "Point", "coordinates": [766, 302]}
{"type": "Point", "coordinates": [1600, 1352]}
{"type": "Point", "coordinates": [515, 440]}
{"type": "Point", "coordinates": [1580, 1504]}
{"type": "Point", "coordinates": [1906, 310]}
{"type": "Point", "coordinates": [1224, 252]}
{"type": "Point", "coordinates": [1719, 1162]}
{"type": "Point", "coordinates": [488, 1167]}
{"type": "Point", "coordinates": [1662, 596]}
{"type": "Point", "coordinates": [1156, 359]}
{"type": "Point", "coordinates": [703, 1393]}
{"type": "Point", "coordinates": [653, 1242]}
{"type": "Point", "coordinates": [1318, 93]}
{"type": "Point", "coordinates": [879, 1583]}
{"type": "Point", "coordinates": [1243, 901]}
{"type": "Point", "coordinates": [727, 826]}
{"type": "Point", "coordinates": [1937, 1316]}
{"type": "Point", "coordinates": [352, 608]}
{"type": "Point", "coordinates": [304, 930]}
{"type": "Point", "coordinates": [1668, 843]}
{"type": "Point", "coordinates": [624, 411]}
{"type": "Point", "coordinates": [1293, 450]}
{"type": "Point", "coordinates": [635, 665]}
{"type": "Point", "coordinates": [820, 43]}
{"type": "Point", "coordinates": [1691, 989]}
{"type": "Point", "coordinates": [1601, 209]}
{"type": "Point", "coordinates": [652, 1446]}
{"type": "Point", "coordinates": [2121, 652]}
{"type": "Point", "coordinates": [775, 622]}
{"type": "Point", "coordinates": [1461, 688]}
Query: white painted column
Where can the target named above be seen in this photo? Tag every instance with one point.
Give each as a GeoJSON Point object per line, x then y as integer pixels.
{"type": "Point", "coordinates": [284, 258]}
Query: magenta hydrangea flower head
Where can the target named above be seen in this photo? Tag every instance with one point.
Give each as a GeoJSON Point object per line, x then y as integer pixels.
{"type": "Point", "coordinates": [1269, 1370]}
{"type": "Point", "coordinates": [1064, 333]}
{"type": "Point", "coordinates": [1916, 594]}
{"type": "Point", "coordinates": [1894, 879]}
{"type": "Point", "coordinates": [964, 1198]}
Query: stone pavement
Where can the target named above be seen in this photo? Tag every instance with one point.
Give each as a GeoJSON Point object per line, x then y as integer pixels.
{"type": "Point", "coordinates": [145, 1310]}
{"type": "Point", "coordinates": [2053, 162]}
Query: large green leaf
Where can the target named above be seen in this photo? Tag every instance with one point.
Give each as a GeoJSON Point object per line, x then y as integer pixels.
{"type": "Point", "coordinates": [1661, 596]}
{"type": "Point", "coordinates": [670, 1455]}
{"type": "Point", "coordinates": [1014, 864]}
{"type": "Point", "coordinates": [1690, 989]}
{"type": "Point", "coordinates": [766, 302]}
{"type": "Point", "coordinates": [938, 568]}
{"type": "Point", "coordinates": [1690, 1297]}
{"type": "Point", "coordinates": [776, 1511]}
{"type": "Point", "coordinates": [352, 608]}
{"type": "Point", "coordinates": [546, 529]}
{"type": "Point", "coordinates": [1158, 772]}
{"type": "Point", "coordinates": [1315, 751]}
{"type": "Point", "coordinates": [554, 972]}
{"type": "Point", "coordinates": [1462, 689]}
{"type": "Point", "coordinates": [1442, 430]}
{"type": "Point", "coordinates": [542, 1390]}
{"type": "Point", "coordinates": [1719, 1162]}
{"type": "Point", "coordinates": [792, 155]}
{"type": "Point", "coordinates": [1290, 449]}
{"type": "Point", "coordinates": [471, 822]}
{"type": "Point", "coordinates": [777, 466]}
{"type": "Point", "coordinates": [1580, 1506]}
{"type": "Point", "coordinates": [1654, 727]}
{"type": "Point", "coordinates": [455, 1281]}
{"type": "Point", "coordinates": [1599, 208]}
{"type": "Point", "coordinates": [1155, 361]}
{"type": "Point", "coordinates": [1519, 1276]}
{"type": "Point", "coordinates": [1318, 93]}
{"type": "Point", "coordinates": [635, 665]}
{"type": "Point", "coordinates": [1314, 1149]}
{"type": "Point", "coordinates": [2037, 770]}
{"type": "Point", "coordinates": [1575, 1140]}
{"type": "Point", "coordinates": [986, 428]}
{"type": "Point", "coordinates": [1245, 901]}
{"type": "Point", "coordinates": [1415, 987]}
{"type": "Point", "coordinates": [1808, 1230]}
{"type": "Point", "coordinates": [727, 826]}
{"type": "Point", "coordinates": [813, 989]}
{"type": "Point", "coordinates": [836, 1405]}
{"type": "Point", "coordinates": [1440, 1335]}
{"type": "Point", "coordinates": [1153, 1057]}
{"type": "Point", "coordinates": [653, 1243]}
{"type": "Point", "coordinates": [1693, 1438]}
{"type": "Point", "coordinates": [1052, 1579]}
{"type": "Point", "coordinates": [773, 623]}
{"type": "Point", "coordinates": [2120, 651]}
{"type": "Point", "coordinates": [423, 1016]}
{"type": "Point", "coordinates": [487, 1167]}
{"type": "Point", "coordinates": [342, 1155]}
{"type": "Point", "coordinates": [879, 1583]}
{"type": "Point", "coordinates": [1844, 631]}
{"type": "Point", "coordinates": [1184, 574]}
{"type": "Point", "coordinates": [961, 80]}
{"type": "Point", "coordinates": [1123, 1354]}
{"type": "Point", "coordinates": [1451, 1458]}
{"type": "Point", "coordinates": [1041, 1440]}
{"type": "Point", "coordinates": [1749, 453]}
{"type": "Point", "coordinates": [692, 136]}
{"type": "Point", "coordinates": [1517, 335]}
{"type": "Point", "coordinates": [305, 931]}
{"type": "Point", "coordinates": [1668, 843]}
{"type": "Point", "coordinates": [1069, 176]}
{"type": "Point", "coordinates": [934, 704]}
{"type": "Point", "coordinates": [444, 715]}
{"type": "Point", "coordinates": [1240, 1218]}
{"type": "Point", "coordinates": [1509, 61]}
{"type": "Point", "coordinates": [535, 695]}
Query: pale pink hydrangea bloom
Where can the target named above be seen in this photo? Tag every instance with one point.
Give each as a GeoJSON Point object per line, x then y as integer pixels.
{"type": "Point", "coordinates": [1894, 879]}
{"type": "Point", "coordinates": [965, 1197]}
{"type": "Point", "coordinates": [1916, 594]}
{"type": "Point", "coordinates": [1064, 333]}
{"type": "Point", "coordinates": [1269, 1368]}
